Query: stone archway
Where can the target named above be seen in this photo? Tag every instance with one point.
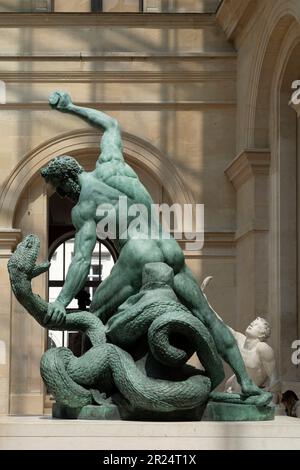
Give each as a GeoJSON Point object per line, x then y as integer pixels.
{"type": "Point", "coordinates": [272, 126]}
{"type": "Point", "coordinates": [281, 17]}
{"type": "Point", "coordinates": [265, 166]}
{"type": "Point", "coordinates": [84, 143]}
{"type": "Point", "coordinates": [285, 203]}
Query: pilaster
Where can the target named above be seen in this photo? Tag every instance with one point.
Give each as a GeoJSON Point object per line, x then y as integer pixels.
{"type": "Point", "coordinates": [8, 240]}
{"type": "Point", "coordinates": [249, 173]}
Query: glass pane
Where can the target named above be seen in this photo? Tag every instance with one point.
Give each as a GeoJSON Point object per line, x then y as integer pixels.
{"type": "Point", "coordinates": [73, 304]}
{"type": "Point", "coordinates": [113, 6]}
{"type": "Point", "coordinates": [75, 342]}
{"type": "Point", "coordinates": [99, 270]}
{"type": "Point", "coordinates": [107, 262]}
{"type": "Point", "coordinates": [181, 6]}
{"type": "Point", "coordinates": [57, 265]}
{"type": "Point", "coordinates": [94, 274]}
{"type": "Point", "coordinates": [69, 253]}
{"type": "Point", "coordinates": [72, 6]}
{"type": "Point", "coordinates": [25, 6]}
{"type": "Point", "coordinates": [53, 293]}
{"type": "Point", "coordinates": [55, 339]}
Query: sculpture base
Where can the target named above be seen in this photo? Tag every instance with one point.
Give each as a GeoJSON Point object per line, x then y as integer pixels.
{"type": "Point", "coordinates": [44, 433]}
{"type": "Point", "coordinates": [120, 412]}
{"type": "Point", "coordinates": [129, 413]}
{"type": "Point", "coordinates": [103, 412]}
{"type": "Point", "coordinates": [217, 411]}
{"type": "Point", "coordinates": [145, 415]}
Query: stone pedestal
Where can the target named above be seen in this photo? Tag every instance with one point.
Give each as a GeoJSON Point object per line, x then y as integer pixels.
{"type": "Point", "coordinates": [42, 432]}
{"type": "Point", "coordinates": [233, 412]}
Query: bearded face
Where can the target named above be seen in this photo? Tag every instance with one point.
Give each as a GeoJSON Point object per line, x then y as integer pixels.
{"type": "Point", "coordinates": [67, 188]}
{"type": "Point", "coordinates": [63, 174]}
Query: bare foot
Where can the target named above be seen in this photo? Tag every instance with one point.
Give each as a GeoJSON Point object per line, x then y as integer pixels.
{"type": "Point", "coordinates": [249, 388]}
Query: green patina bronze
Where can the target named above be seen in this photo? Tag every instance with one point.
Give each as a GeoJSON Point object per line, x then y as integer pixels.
{"type": "Point", "coordinates": [146, 319]}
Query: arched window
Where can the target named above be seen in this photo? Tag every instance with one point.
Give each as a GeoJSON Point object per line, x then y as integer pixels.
{"type": "Point", "coordinates": [61, 255]}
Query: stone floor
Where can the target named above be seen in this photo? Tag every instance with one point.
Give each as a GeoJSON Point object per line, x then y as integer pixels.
{"type": "Point", "coordinates": [42, 432]}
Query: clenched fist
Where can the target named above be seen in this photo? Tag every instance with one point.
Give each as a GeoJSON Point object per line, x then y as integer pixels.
{"type": "Point", "coordinates": [60, 100]}
{"type": "Point", "coordinates": [55, 315]}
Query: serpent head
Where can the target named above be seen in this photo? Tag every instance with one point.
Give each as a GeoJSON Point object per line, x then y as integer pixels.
{"type": "Point", "coordinates": [24, 257]}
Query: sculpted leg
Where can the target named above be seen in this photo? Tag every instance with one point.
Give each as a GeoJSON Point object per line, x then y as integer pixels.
{"type": "Point", "coordinates": [190, 294]}
{"type": "Point", "coordinates": [111, 293]}
{"type": "Point", "coordinates": [125, 278]}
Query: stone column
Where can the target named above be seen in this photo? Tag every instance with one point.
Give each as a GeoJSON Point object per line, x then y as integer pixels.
{"type": "Point", "coordinates": [8, 240]}
{"type": "Point", "coordinates": [296, 107]}
{"type": "Point", "coordinates": [249, 173]}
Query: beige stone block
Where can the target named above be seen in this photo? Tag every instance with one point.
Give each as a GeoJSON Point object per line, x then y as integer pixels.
{"type": "Point", "coordinates": [20, 353]}
{"type": "Point", "coordinates": [4, 395]}
{"type": "Point", "coordinates": [26, 404]}
{"type": "Point", "coordinates": [67, 40]}
{"type": "Point", "coordinates": [245, 205]}
{"type": "Point", "coordinates": [137, 63]}
{"type": "Point", "coordinates": [76, 6]}
{"type": "Point", "coordinates": [37, 432]}
{"type": "Point", "coordinates": [28, 344]}
{"type": "Point", "coordinates": [4, 277]}
{"type": "Point", "coordinates": [207, 91]}
{"type": "Point", "coordinates": [5, 332]}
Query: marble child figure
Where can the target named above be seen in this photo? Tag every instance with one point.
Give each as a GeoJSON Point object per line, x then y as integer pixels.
{"type": "Point", "coordinates": [111, 179]}
{"type": "Point", "coordinates": [258, 356]}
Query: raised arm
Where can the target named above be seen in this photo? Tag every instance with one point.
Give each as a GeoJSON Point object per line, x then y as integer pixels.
{"type": "Point", "coordinates": [85, 240]}
{"type": "Point", "coordinates": [111, 142]}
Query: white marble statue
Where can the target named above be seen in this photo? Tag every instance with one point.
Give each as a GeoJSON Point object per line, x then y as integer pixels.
{"type": "Point", "coordinates": [258, 356]}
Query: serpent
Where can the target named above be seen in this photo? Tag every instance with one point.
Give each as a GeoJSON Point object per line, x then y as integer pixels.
{"type": "Point", "coordinates": [107, 365]}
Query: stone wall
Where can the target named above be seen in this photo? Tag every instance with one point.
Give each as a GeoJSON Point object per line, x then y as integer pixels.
{"type": "Point", "coordinates": [171, 82]}
{"type": "Point", "coordinates": [266, 35]}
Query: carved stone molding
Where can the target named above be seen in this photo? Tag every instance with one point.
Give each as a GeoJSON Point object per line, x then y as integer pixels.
{"type": "Point", "coordinates": [218, 245]}
{"type": "Point", "coordinates": [78, 144]}
{"type": "Point", "coordinates": [128, 20]}
{"type": "Point", "coordinates": [118, 56]}
{"type": "Point", "coordinates": [247, 164]}
{"type": "Point", "coordinates": [233, 14]}
{"type": "Point", "coordinates": [127, 105]}
{"type": "Point", "coordinates": [117, 77]}
{"type": "Point", "coordinates": [9, 238]}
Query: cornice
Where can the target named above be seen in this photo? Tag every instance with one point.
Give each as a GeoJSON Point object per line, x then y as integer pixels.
{"type": "Point", "coordinates": [211, 238]}
{"type": "Point", "coordinates": [249, 231]}
{"type": "Point", "coordinates": [125, 105]}
{"type": "Point", "coordinates": [118, 56]}
{"type": "Point", "coordinates": [247, 164]}
{"type": "Point", "coordinates": [128, 20]}
{"type": "Point", "coordinates": [9, 238]}
{"type": "Point", "coordinates": [117, 77]}
{"type": "Point", "coordinates": [219, 239]}
{"type": "Point", "coordinates": [218, 245]}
